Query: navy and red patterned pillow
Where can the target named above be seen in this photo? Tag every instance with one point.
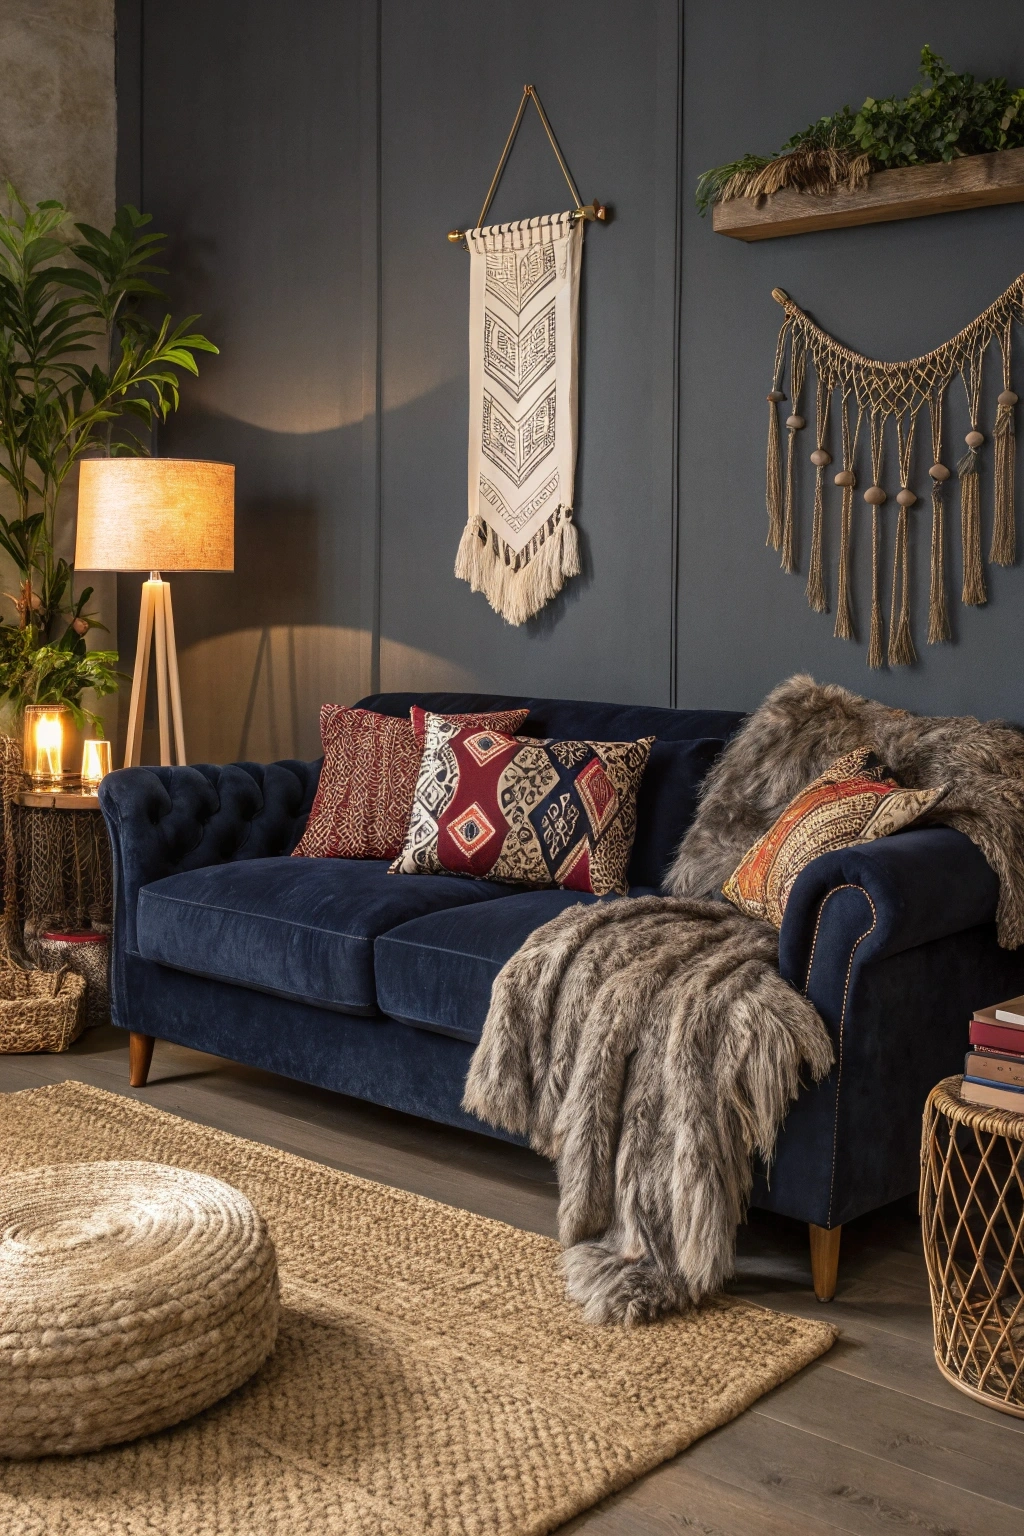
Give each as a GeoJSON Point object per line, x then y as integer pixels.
{"type": "Point", "coordinates": [537, 813]}
{"type": "Point", "coordinates": [364, 796]}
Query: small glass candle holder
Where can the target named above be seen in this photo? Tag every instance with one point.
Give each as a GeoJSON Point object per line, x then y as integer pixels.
{"type": "Point", "coordinates": [96, 762]}
{"type": "Point", "coordinates": [43, 742]}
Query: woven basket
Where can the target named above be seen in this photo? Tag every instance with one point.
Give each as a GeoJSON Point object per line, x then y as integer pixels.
{"type": "Point", "coordinates": [88, 953]}
{"type": "Point", "coordinates": [40, 1010]}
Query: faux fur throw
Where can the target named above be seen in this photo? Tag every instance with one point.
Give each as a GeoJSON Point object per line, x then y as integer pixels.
{"type": "Point", "coordinates": [649, 1047]}
{"type": "Point", "coordinates": [803, 726]}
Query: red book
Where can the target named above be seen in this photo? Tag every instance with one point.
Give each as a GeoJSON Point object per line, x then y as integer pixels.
{"type": "Point", "coordinates": [998, 1037]}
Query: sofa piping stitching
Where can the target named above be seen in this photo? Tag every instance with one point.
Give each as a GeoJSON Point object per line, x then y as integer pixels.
{"type": "Point", "coordinates": [263, 917]}
{"type": "Point", "coordinates": [438, 949]}
{"type": "Point", "coordinates": [849, 886]}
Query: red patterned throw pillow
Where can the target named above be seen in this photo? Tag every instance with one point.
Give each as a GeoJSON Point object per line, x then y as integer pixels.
{"type": "Point", "coordinates": [537, 813]}
{"type": "Point", "coordinates": [364, 797]}
{"type": "Point", "coordinates": [854, 801]}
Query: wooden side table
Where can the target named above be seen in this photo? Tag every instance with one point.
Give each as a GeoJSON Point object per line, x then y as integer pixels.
{"type": "Point", "coordinates": [972, 1222]}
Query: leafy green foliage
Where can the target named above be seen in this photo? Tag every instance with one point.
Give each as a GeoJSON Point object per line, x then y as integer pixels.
{"type": "Point", "coordinates": [83, 370]}
{"type": "Point", "coordinates": [944, 116]}
{"type": "Point", "coordinates": [31, 673]}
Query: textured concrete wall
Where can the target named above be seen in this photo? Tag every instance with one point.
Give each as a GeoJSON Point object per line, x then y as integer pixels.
{"type": "Point", "coordinates": [57, 103]}
{"type": "Point", "coordinates": [58, 138]}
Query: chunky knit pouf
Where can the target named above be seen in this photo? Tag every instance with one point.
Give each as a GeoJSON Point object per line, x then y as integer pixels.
{"type": "Point", "coordinates": [132, 1296]}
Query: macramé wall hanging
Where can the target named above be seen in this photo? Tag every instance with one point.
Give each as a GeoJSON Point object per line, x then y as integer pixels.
{"type": "Point", "coordinates": [519, 545]}
{"type": "Point", "coordinates": [854, 399]}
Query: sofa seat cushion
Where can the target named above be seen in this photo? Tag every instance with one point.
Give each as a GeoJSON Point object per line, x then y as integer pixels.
{"type": "Point", "coordinates": [299, 928]}
{"type": "Point", "coordinates": [437, 971]}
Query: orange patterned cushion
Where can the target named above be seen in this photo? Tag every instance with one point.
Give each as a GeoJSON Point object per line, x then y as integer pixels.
{"type": "Point", "coordinates": [371, 763]}
{"type": "Point", "coordinates": [854, 801]}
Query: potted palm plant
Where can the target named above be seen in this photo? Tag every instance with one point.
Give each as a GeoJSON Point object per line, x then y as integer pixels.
{"type": "Point", "coordinates": [83, 370]}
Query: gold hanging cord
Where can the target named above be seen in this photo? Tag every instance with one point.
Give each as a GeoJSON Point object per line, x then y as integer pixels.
{"type": "Point", "coordinates": [594, 210]}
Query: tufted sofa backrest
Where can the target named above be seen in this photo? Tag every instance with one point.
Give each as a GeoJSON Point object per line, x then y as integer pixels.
{"type": "Point", "coordinates": [687, 743]}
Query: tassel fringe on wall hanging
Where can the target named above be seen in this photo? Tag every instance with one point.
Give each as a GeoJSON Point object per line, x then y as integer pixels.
{"type": "Point", "coordinates": [854, 399]}
{"type": "Point", "coordinates": [519, 545]}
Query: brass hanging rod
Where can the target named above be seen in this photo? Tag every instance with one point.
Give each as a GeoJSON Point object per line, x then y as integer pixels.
{"type": "Point", "coordinates": [591, 211]}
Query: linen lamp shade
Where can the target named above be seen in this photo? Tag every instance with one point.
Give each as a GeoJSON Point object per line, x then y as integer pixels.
{"type": "Point", "coordinates": [141, 514]}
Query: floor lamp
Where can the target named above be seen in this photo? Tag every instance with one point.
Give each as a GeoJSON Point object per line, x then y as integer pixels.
{"type": "Point", "coordinates": [140, 514]}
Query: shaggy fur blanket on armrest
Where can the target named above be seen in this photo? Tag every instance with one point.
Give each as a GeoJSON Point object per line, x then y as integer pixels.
{"type": "Point", "coordinates": [650, 1047]}
{"type": "Point", "coordinates": [803, 726]}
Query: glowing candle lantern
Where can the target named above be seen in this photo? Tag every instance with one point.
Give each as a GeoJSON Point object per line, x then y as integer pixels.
{"type": "Point", "coordinates": [95, 762]}
{"type": "Point", "coordinates": [43, 742]}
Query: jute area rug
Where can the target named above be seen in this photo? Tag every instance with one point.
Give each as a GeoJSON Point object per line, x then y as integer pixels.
{"type": "Point", "coordinates": [430, 1377]}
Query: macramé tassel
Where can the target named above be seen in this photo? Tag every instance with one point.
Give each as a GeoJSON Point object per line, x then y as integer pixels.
{"type": "Point", "coordinates": [901, 644]}
{"type": "Point", "coordinates": [938, 606]}
{"type": "Point", "coordinates": [519, 590]}
{"type": "Point", "coordinates": [1004, 532]}
{"type": "Point", "coordinates": [844, 616]}
{"type": "Point", "coordinates": [815, 571]}
{"type": "Point", "coordinates": [788, 561]}
{"type": "Point", "coordinates": [876, 648]}
{"type": "Point", "coordinates": [974, 593]}
{"type": "Point", "coordinates": [773, 485]}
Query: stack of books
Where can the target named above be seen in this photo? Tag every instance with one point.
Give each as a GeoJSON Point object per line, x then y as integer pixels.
{"type": "Point", "coordinates": [994, 1066]}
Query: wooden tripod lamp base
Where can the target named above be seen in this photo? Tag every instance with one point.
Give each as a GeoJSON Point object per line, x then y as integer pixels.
{"type": "Point", "coordinates": [156, 622]}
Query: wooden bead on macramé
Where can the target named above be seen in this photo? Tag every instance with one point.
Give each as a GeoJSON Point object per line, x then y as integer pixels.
{"type": "Point", "coordinates": [874, 495]}
{"type": "Point", "coordinates": [905, 498]}
{"type": "Point", "coordinates": [939, 472]}
{"type": "Point", "coordinates": [794, 423]}
{"type": "Point", "coordinates": [974, 439]}
{"type": "Point", "coordinates": [846, 477]}
{"type": "Point", "coordinates": [820, 457]}
{"type": "Point", "coordinates": [775, 394]}
{"type": "Point", "coordinates": [1007, 398]}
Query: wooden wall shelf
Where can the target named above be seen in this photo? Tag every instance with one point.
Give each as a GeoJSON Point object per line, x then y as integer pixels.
{"type": "Point", "coordinates": [976, 181]}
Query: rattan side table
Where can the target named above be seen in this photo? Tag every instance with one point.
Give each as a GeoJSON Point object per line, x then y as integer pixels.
{"type": "Point", "coordinates": [972, 1223]}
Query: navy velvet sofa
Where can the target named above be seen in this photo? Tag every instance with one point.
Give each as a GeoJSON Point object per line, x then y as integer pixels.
{"type": "Point", "coordinates": [336, 973]}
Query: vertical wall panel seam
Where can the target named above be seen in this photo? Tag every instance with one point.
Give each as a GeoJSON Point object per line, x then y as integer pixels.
{"type": "Point", "coordinates": [666, 360]}
{"type": "Point", "coordinates": [677, 308]}
{"type": "Point", "coordinates": [371, 213]}
{"type": "Point", "coordinates": [379, 361]}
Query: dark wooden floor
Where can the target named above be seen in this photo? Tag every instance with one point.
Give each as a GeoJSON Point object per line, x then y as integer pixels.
{"type": "Point", "coordinates": [870, 1439]}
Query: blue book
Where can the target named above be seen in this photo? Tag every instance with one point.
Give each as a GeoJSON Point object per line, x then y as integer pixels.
{"type": "Point", "coordinates": [978, 1090]}
{"type": "Point", "coordinates": [1001, 1067]}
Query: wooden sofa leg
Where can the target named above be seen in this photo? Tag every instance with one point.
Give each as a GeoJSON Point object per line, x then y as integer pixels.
{"type": "Point", "coordinates": [824, 1259]}
{"type": "Point", "coordinates": [140, 1054]}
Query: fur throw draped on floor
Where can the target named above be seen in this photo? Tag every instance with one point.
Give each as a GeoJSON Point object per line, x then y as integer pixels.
{"type": "Point", "coordinates": [803, 726]}
{"type": "Point", "coordinates": [650, 1047]}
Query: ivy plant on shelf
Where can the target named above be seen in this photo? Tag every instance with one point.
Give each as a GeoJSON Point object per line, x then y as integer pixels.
{"type": "Point", "coordinates": [943, 117]}
{"type": "Point", "coordinates": [83, 370]}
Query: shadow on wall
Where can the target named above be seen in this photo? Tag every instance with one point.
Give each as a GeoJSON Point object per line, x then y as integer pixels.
{"type": "Point", "coordinates": [255, 694]}
{"type": "Point", "coordinates": [261, 648]}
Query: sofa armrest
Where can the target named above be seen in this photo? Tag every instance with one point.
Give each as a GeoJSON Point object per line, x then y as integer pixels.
{"type": "Point", "coordinates": [882, 897]}
{"type": "Point", "coordinates": [163, 820]}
